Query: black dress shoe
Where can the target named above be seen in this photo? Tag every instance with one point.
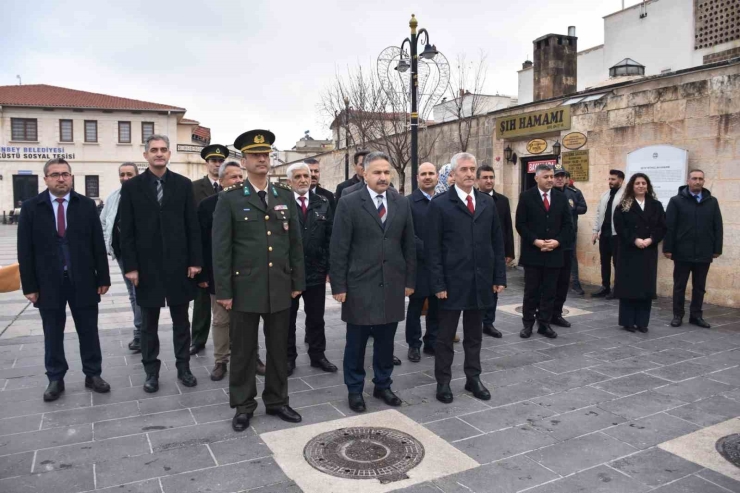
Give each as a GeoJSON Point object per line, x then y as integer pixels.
{"type": "Point", "coordinates": [642, 329]}
{"type": "Point", "coordinates": [699, 322]}
{"type": "Point", "coordinates": [388, 397]}
{"type": "Point", "coordinates": [526, 332]}
{"type": "Point", "coordinates": [54, 390]}
{"type": "Point", "coordinates": [152, 384]}
{"type": "Point", "coordinates": [577, 289]}
{"type": "Point", "coordinates": [479, 390]}
{"type": "Point", "coordinates": [325, 365]}
{"type": "Point", "coordinates": [260, 368]}
{"type": "Point", "coordinates": [414, 355]}
{"type": "Point", "coordinates": [286, 413]}
{"type": "Point", "coordinates": [629, 328]}
{"type": "Point", "coordinates": [560, 321]}
{"type": "Point", "coordinates": [196, 348]}
{"type": "Point", "coordinates": [396, 361]}
{"type": "Point", "coordinates": [490, 330]}
{"type": "Point", "coordinates": [609, 296]}
{"type": "Point", "coordinates": [291, 367]}
{"type": "Point", "coordinates": [357, 403]}
{"type": "Point", "coordinates": [240, 421]}
{"type": "Point", "coordinates": [135, 345]}
{"type": "Point", "coordinates": [97, 384]}
{"type": "Point", "coordinates": [187, 378]}
{"type": "Point", "coordinates": [602, 292]}
{"type": "Point", "coordinates": [677, 321]}
{"type": "Point", "coordinates": [444, 393]}
{"type": "Point", "coordinates": [219, 372]}
{"type": "Point", "coordinates": [546, 330]}
{"type": "Point", "coordinates": [429, 350]}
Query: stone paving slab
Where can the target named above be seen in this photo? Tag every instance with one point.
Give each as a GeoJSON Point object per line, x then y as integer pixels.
{"type": "Point", "coordinates": [582, 413]}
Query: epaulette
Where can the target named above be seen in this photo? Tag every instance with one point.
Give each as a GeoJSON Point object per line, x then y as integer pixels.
{"type": "Point", "coordinates": [283, 186]}
{"type": "Point", "coordinates": [235, 186]}
{"type": "Point", "coordinates": [322, 197]}
{"type": "Point", "coordinates": [573, 188]}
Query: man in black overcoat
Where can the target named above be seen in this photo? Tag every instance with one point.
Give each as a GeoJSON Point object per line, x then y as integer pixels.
{"type": "Point", "coordinates": [373, 269]}
{"type": "Point", "coordinates": [315, 167]}
{"type": "Point", "coordinates": [693, 240]}
{"type": "Point", "coordinates": [357, 178]}
{"type": "Point", "coordinates": [62, 257]}
{"type": "Point", "coordinates": [162, 254]}
{"type": "Point", "coordinates": [465, 253]}
{"type": "Point", "coordinates": [544, 222]}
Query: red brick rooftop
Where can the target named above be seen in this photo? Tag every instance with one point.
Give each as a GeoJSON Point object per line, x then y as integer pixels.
{"type": "Point", "coordinates": [42, 95]}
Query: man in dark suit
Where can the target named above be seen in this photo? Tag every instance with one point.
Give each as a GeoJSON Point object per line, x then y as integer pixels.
{"type": "Point", "coordinates": [373, 269]}
{"type": "Point", "coordinates": [229, 173]}
{"type": "Point", "coordinates": [63, 261]}
{"type": "Point", "coordinates": [465, 254]}
{"type": "Point", "coordinates": [316, 220]}
{"type": "Point", "coordinates": [358, 178]}
{"type": "Point", "coordinates": [420, 199]}
{"type": "Point", "coordinates": [214, 155]}
{"type": "Point", "coordinates": [258, 270]}
{"type": "Point", "coordinates": [486, 180]}
{"type": "Point", "coordinates": [315, 167]}
{"type": "Point", "coordinates": [162, 254]}
{"type": "Point", "coordinates": [543, 220]}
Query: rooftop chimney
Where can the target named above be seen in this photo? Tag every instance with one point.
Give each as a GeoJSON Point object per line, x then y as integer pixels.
{"type": "Point", "coordinates": [555, 59]}
{"type": "Point", "coordinates": [527, 64]}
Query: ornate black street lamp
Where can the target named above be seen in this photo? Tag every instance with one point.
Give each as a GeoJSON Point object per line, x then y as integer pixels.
{"type": "Point", "coordinates": [346, 138]}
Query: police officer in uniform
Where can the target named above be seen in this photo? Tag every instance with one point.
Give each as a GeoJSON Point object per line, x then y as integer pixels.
{"type": "Point", "coordinates": [258, 270]}
{"type": "Point", "coordinates": [578, 208]}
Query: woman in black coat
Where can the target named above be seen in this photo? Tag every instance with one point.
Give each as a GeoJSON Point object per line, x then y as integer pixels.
{"type": "Point", "coordinates": [640, 223]}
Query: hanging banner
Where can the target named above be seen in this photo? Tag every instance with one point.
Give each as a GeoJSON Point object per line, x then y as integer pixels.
{"type": "Point", "coordinates": [532, 165]}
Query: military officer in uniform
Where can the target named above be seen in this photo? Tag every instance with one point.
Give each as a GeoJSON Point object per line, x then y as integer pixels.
{"type": "Point", "coordinates": [258, 270]}
{"type": "Point", "coordinates": [214, 155]}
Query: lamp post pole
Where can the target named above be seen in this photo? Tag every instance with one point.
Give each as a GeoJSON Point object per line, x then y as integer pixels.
{"type": "Point", "coordinates": [346, 138]}
{"type": "Point", "coordinates": [414, 109]}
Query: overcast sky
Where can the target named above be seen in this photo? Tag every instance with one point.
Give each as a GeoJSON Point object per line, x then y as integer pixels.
{"type": "Point", "coordinates": [239, 65]}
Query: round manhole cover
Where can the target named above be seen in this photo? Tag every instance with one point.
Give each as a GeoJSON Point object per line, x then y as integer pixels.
{"type": "Point", "coordinates": [365, 453]}
{"type": "Point", "coordinates": [729, 448]}
{"type": "Point", "coordinates": [520, 310]}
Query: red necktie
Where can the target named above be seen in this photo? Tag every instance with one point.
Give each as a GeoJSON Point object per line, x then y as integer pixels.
{"type": "Point", "coordinates": [61, 227]}
{"type": "Point", "coordinates": [303, 205]}
{"type": "Point", "coordinates": [471, 208]}
{"type": "Point", "coordinates": [547, 202]}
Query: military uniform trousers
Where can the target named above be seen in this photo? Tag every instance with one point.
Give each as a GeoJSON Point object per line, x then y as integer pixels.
{"type": "Point", "coordinates": [244, 327]}
{"type": "Point", "coordinates": [220, 332]}
{"type": "Point", "coordinates": [201, 317]}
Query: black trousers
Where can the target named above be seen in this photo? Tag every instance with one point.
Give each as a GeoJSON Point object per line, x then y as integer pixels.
{"type": "Point", "coordinates": [609, 250]}
{"type": "Point", "coordinates": [86, 323]}
{"type": "Point", "coordinates": [540, 285]}
{"type": "Point", "coordinates": [244, 333]}
{"type": "Point", "coordinates": [681, 272]}
{"type": "Point", "coordinates": [413, 322]}
{"type": "Point", "coordinates": [472, 337]}
{"type": "Point", "coordinates": [201, 317]}
{"type": "Point", "coordinates": [150, 338]}
{"type": "Point", "coordinates": [634, 313]}
{"type": "Point", "coordinates": [489, 314]}
{"type": "Point", "coordinates": [314, 302]}
{"type": "Point", "coordinates": [563, 284]}
{"type": "Point", "coordinates": [354, 356]}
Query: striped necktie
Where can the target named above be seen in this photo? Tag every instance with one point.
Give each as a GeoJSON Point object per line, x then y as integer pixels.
{"type": "Point", "coordinates": [160, 192]}
{"type": "Point", "coordinates": [381, 208]}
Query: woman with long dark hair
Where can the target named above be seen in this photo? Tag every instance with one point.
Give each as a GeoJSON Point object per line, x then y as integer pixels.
{"type": "Point", "coordinates": [639, 220]}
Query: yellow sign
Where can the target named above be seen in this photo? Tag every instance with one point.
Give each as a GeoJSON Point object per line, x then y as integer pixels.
{"type": "Point", "coordinates": [536, 146]}
{"type": "Point", "coordinates": [574, 140]}
{"type": "Point", "coordinates": [576, 163]}
{"type": "Point", "coordinates": [534, 122]}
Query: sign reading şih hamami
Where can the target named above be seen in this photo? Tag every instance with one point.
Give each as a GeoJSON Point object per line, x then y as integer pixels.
{"type": "Point", "coordinates": [534, 122]}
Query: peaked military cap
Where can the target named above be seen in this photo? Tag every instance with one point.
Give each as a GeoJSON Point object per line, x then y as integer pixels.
{"type": "Point", "coordinates": [559, 170]}
{"type": "Point", "coordinates": [255, 141]}
{"type": "Point", "coordinates": [214, 150]}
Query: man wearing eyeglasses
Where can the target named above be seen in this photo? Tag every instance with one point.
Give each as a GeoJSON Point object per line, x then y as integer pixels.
{"type": "Point", "coordinates": [214, 155]}
{"type": "Point", "coordinates": [62, 259]}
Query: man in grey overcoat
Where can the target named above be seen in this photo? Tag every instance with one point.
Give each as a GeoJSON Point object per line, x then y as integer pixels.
{"type": "Point", "coordinates": [373, 270]}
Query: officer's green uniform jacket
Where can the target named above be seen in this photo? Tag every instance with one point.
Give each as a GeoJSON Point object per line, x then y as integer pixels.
{"type": "Point", "coordinates": [257, 253]}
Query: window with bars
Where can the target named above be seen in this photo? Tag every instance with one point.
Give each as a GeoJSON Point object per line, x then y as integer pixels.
{"type": "Point", "coordinates": [24, 129]}
{"type": "Point", "coordinates": [147, 130]}
{"type": "Point", "coordinates": [92, 186]}
{"type": "Point", "coordinates": [124, 132]}
{"type": "Point", "coordinates": [66, 131]}
{"type": "Point", "coordinates": [91, 130]}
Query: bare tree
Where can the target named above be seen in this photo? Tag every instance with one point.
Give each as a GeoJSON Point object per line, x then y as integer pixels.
{"type": "Point", "coordinates": [467, 100]}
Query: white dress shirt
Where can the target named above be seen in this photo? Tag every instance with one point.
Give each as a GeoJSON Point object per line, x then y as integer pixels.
{"type": "Point", "coordinates": [298, 198]}
{"type": "Point", "coordinates": [640, 203]}
{"type": "Point", "coordinates": [374, 195]}
{"type": "Point", "coordinates": [55, 206]}
{"type": "Point", "coordinates": [548, 194]}
{"type": "Point", "coordinates": [464, 196]}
